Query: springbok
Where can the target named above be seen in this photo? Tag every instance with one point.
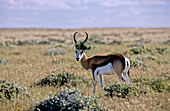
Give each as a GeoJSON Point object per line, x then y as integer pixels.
{"type": "Point", "coordinates": [101, 65]}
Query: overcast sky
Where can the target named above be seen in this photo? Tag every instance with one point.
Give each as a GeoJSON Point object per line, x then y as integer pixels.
{"type": "Point", "coordinates": [84, 13]}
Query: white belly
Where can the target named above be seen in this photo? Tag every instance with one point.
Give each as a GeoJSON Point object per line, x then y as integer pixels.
{"type": "Point", "coordinates": [107, 69]}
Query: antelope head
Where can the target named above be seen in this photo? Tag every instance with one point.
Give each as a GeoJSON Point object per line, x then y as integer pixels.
{"type": "Point", "coordinates": [80, 47]}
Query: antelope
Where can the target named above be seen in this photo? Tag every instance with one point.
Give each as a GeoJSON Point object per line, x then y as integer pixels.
{"type": "Point", "coordinates": [115, 63]}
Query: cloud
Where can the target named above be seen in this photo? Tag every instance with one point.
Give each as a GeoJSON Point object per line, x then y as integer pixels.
{"type": "Point", "coordinates": [42, 4]}
{"type": "Point", "coordinates": [112, 3]}
{"type": "Point", "coordinates": [154, 2]}
{"type": "Point", "coordinates": [72, 4]}
{"type": "Point", "coordinates": [82, 13]}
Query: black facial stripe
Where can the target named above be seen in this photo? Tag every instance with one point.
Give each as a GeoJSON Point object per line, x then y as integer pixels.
{"type": "Point", "coordinates": [81, 51]}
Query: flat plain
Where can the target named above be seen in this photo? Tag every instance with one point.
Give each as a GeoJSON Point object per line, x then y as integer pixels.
{"type": "Point", "coordinates": [24, 59]}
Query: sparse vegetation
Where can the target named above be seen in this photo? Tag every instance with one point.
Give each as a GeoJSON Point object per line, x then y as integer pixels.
{"type": "Point", "coordinates": [23, 59]}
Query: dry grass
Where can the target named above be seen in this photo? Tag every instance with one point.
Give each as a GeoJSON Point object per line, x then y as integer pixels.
{"type": "Point", "coordinates": [27, 64]}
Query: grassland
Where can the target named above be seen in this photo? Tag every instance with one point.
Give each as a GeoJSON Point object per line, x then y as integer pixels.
{"type": "Point", "coordinates": [25, 62]}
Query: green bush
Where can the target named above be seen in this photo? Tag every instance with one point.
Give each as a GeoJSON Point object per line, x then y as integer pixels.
{"type": "Point", "coordinates": [141, 50]}
{"type": "Point", "coordinates": [161, 50]}
{"type": "Point", "coordinates": [136, 63]}
{"type": "Point", "coordinates": [140, 86]}
{"type": "Point", "coordinates": [148, 56]}
{"type": "Point", "coordinates": [2, 62]}
{"type": "Point", "coordinates": [135, 50]}
{"type": "Point", "coordinates": [60, 46]}
{"type": "Point", "coordinates": [57, 61]}
{"type": "Point", "coordinates": [68, 100]}
{"type": "Point", "coordinates": [64, 79]}
{"type": "Point", "coordinates": [55, 51]}
{"type": "Point", "coordinates": [167, 42]}
{"type": "Point", "coordinates": [44, 42]}
{"type": "Point", "coordinates": [123, 90]}
{"type": "Point", "coordinates": [11, 91]}
{"type": "Point", "coordinates": [142, 40]}
{"type": "Point", "coordinates": [7, 44]}
{"type": "Point", "coordinates": [158, 85]}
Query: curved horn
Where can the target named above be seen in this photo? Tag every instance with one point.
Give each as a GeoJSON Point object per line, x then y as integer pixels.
{"type": "Point", "coordinates": [74, 37]}
{"type": "Point", "coordinates": [86, 37]}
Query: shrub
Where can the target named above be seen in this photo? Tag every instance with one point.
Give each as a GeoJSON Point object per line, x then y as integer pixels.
{"type": "Point", "coordinates": [136, 63]}
{"type": "Point", "coordinates": [141, 50]}
{"type": "Point", "coordinates": [7, 44]}
{"type": "Point", "coordinates": [158, 85]}
{"type": "Point", "coordinates": [55, 51]}
{"type": "Point", "coordinates": [64, 78]}
{"type": "Point", "coordinates": [167, 42]}
{"type": "Point", "coordinates": [67, 100]}
{"type": "Point", "coordinates": [12, 90]}
{"type": "Point", "coordinates": [139, 43]}
{"type": "Point", "coordinates": [44, 42]}
{"type": "Point", "coordinates": [148, 56]}
{"type": "Point", "coordinates": [123, 90]}
{"type": "Point", "coordinates": [26, 42]}
{"type": "Point", "coordinates": [142, 40]}
{"type": "Point", "coordinates": [141, 86]}
{"type": "Point", "coordinates": [57, 61]}
{"type": "Point", "coordinates": [161, 50]}
{"type": "Point", "coordinates": [2, 62]}
{"type": "Point", "coordinates": [114, 42]}
{"type": "Point", "coordinates": [135, 50]}
{"type": "Point", "coordinates": [96, 39]}
{"type": "Point", "coordinates": [151, 51]}
{"type": "Point", "coordinates": [60, 46]}
{"type": "Point", "coordinates": [3, 44]}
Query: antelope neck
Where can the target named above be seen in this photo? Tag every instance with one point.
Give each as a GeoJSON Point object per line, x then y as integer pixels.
{"type": "Point", "coordinates": [84, 61]}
